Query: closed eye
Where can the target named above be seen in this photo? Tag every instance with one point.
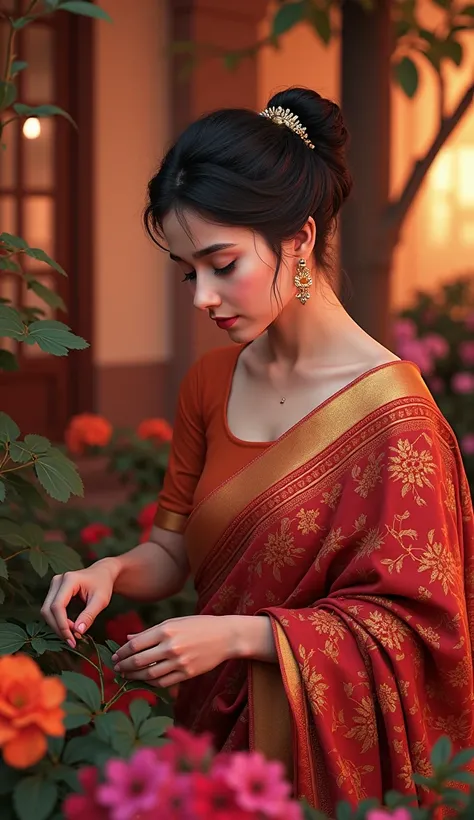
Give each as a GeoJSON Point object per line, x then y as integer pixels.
{"type": "Point", "coordinates": [191, 276]}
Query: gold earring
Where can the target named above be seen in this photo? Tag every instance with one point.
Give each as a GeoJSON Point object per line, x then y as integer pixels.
{"type": "Point", "coordinates": [303, 281]}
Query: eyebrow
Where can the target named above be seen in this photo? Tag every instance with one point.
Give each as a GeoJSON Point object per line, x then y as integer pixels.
{"type": "Point", "coordinates": [220, 246]}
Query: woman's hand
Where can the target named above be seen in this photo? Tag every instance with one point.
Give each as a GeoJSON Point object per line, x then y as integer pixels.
{"type": "Point", "coordinates": [179, 649]}
{"type": "Point", "coordinates": [94, 585]}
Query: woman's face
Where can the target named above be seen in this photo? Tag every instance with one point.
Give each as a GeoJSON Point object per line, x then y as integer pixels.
{"type": "Point", "coordinates": [230, 273]}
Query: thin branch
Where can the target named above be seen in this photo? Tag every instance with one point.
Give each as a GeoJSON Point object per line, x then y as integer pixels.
{"type": "Point", "coordinates": [397, 210]}
{"type": "Point", "coordinates": [441, 96]}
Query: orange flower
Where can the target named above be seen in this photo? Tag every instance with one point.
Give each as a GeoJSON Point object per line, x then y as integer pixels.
{"type": "Point", "coordinates": [29, 710]}
{"type": "Point", "coordinates": [87, 430]}
{"type": "Point", "coordinates": [158, 430]}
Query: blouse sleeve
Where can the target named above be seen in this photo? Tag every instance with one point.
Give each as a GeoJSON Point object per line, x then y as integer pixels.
{"type": "Point", "coordinates": [187, 456]}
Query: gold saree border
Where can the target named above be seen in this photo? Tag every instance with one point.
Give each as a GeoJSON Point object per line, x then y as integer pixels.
{"type": "Point", "coordinates": [312, 435]}
{"type": "Point", "coordinates": [279, 717]}
{"type": "Point", "coordinates": [167, 520]}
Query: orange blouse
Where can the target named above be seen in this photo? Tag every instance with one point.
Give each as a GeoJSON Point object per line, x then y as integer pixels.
{"type": "Point", "coordinates": [204, 453]}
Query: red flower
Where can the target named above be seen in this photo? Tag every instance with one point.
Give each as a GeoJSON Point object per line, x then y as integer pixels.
{"type": "Point", "coordinates": [87, 430]}
{"type": "Point", "coordinates": [212, 799]}
{"type": "Point", "coordinates": [187, 751]}
{"type": "Point", "coordinates": [147, 515]}
{"type": "Point", "coordinates": [128, 623]}
{"type": "Point", "coordinates": [157, 430]}
{"type": "Point", "coordinates": [81, 806]}
{"type": "Point", "coordinates": [94, 533]}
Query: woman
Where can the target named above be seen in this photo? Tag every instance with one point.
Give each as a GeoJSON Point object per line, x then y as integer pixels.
{"type": "Point", "coordinates": [314, 491]}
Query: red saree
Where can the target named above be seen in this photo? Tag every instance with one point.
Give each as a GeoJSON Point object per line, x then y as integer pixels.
{"type": "Point", "coordinates": [354, 534]}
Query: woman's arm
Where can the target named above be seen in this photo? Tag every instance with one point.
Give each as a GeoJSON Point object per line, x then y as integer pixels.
{"type": "Point", "coordinates": [153, 570]}
{"type": "Point", "coordinates": [252, 637]}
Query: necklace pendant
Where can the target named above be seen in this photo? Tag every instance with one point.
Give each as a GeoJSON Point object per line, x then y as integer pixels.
{"type": "Point", "coordinates": [282, 400]}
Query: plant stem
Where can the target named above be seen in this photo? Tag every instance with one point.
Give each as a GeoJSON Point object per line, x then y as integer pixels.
{"type": "Point", "coordinates": [100, 668]}
{"type": "Point", "coordinates": [9, 557]}
{"type": "Point", "coordinates": [115, 698]}
{"type": "Point", "coordinates": [15, 469]}
{"type": "Point", "coordinates": [84, 657]}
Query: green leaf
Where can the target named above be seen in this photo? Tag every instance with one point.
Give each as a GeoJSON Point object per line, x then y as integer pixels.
{"type": "Point", "coordinates": [406, 75]}
{"type": "Point", "coordinates": [11, 324]}
{"type": "Point", "coordinates": [54, 337]}
{"type": "Point", "coordinates": [9, 430]}
{"type": "Point", "coordinates": [83, 749]}
{"type": "Point", "coordinates": [76, 715]}
{"type": "Point", "coordinates": [467, 11]}
{"type": "Point", "coordinates": [61, 558]}
{"type": "Point", "coordinates": [42, 256]}
{"type": "Point", "coordinates": [49, 297]}
{"type": "Point", "coordinates": [13, 241]}
{"type": "Point", "coordinates": [117, 730]}
{"type": "Point", "coordinates": [30, 495]}
{"type": "Point", "coordinates": [12, 533]}
{"type": "Point", "coordinates": [84, 688]}
{"type": "Point", "coordinates": [40, 646]}
{"type": "Point", "coordinates": [32, 446]}
{"type": "Point", "coordinates": [12, 638]}
{"type": "Point", "coordinates": [344, 811]}
{"type": "Point", "coordinates": [56, 745]}
{"type": "Point", "coordinates": [42, 111]}
{"type": "Point", "coordinates": [21, 22]}
{"type": "Point", "coordinates": [287, 16]}
{"type": "Point", "coordinates": [33, 534]}
{"type": "Point", "coordinates": [65, 774]}
{"type": "Point", "coordinates": [444, 4]}
{"type": "Point", "coordinates": [462, 758]}
{"type": "Point", "coordinates": [17, 66]}
{"type": "Point", "coordinates": [8, 361]}
{"type": "Point", "coordinates": [8, 263]}
{"type": "Point", "coordinates": [113, 646]}
{"type": "Point", "coordinates": [153, 729]}
{"type": "Point", "coordinates": [39, 562]}
{"type": "Point", "coordinates": [34, 797]}
{"type": "Point", "coordinates": [2, 491]}
{"type": "Point", "coordinates": [321, 22]}
{"type": "Point", "coordinates": [58, 476]}
{"type": "Point", "coordinates": [441, 752]}
{"type": "Point", "coordinates": [139, 711]}
{"type": "Point", "coordinates": [105, 656]}
{"type": "Point", "coordinates": [86, 9]}
{"type": "Point", "coordinates": [8, 778]}
{"type": "Point", "coordinates": [3, 569]}
{"type": "Point", "coordinates": [8, 94]}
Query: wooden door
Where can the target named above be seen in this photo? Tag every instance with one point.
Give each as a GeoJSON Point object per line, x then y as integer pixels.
{"type": "Point", "coordinates": [45, 197]}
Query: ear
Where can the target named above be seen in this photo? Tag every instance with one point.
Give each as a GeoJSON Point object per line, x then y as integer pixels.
{"type": "Point", "coordinates": [305, 239]}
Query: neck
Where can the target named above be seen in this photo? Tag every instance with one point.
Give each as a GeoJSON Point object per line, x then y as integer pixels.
{"type": "Point", "coordinates": [321, 332]}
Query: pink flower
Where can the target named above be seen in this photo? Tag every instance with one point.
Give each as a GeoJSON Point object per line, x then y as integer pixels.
{"type": "Point", "coordinates": [186, 751]}
{"type": "Point", "coordinates": [466, 352]}
{"type": "Point", "coordinates": [463, 382]}
{"type": "Point", "coordinates": [404, 329]}
{"type": "Point", "coordinates": [213, 799]}
{"type": "Point", "coordinates": [174, 801]}
{"type": "Point", "coordinates": [132, 786]}
{"type": "Point", "coordinates": [259, 784]}
{"type": "Point", "coordinates": [385, 814]}
{"type": "Point", "coordinates": [436, 345]}
{"type": "Point", "coordinates": [415, 350]}
{"type": "Point", "coordinates": [81, 806]}
{"type": "Point", "coordinates": [467, 444]}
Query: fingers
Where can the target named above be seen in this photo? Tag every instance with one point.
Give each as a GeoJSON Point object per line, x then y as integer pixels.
{"type": "Point", "coordinates": [143, 640]}
{"type": "Point", "coordinates": [87, 617]}
{"type": "Point", "coordinates": [155, 674]}
{"type": "Point", "coordinates": [141, 660]}
{"type": "Point", "coordinates": [61, 590]}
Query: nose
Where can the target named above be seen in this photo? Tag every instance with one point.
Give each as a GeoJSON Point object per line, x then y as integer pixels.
{"type": "Point", "coordinates": [205, 296]}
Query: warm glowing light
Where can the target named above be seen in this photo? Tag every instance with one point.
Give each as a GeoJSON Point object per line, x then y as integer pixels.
{"type": "Point", "coordinates": [32, 128]}
{"type": "Point", "coordinates": [440, 224]}
{"type": "Point", "coordinates": [465, 186]}
{"type": "Point", "coordinates": [467, 232]}
{"type": "Point", "coordinates": [442, 174]}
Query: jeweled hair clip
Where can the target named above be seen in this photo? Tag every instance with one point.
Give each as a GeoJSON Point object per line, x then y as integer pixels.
{"type": "Point", "coordinates": [283, 116]}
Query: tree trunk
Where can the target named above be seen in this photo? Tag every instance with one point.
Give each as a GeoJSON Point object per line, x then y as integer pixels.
{"type": "Point", "coordinates": [366, 245]}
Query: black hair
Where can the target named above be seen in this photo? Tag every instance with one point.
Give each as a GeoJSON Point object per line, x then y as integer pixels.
{"type": "Point", "coordinates": [241, 169]}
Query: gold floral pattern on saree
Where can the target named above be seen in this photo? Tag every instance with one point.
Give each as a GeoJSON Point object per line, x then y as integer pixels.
{"type": "Point", "coordinates": [367, 478]}
{"type": "Point", "coordinates": [279, 551]}
{"type": "Point", "coordinates": [386, 628]}
{"type": "Point", "coordinates": [315, 684]}
{"type": "Point", "coordinates": [437, 560]}
{"type": "Point", "coordinates": [332, 497]}
{"type": "Point", "coordinates": [388, 698]}
{"type": "Point", "coordinates": [412, 467]}
{"type": "Point", "coordinates": [333, 542]}
{"type": "Point", "coordinates": [307, 521]}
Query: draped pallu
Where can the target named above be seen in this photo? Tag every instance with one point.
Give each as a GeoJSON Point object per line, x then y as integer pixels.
{"type": "Point", "coordinates": [353, 533]}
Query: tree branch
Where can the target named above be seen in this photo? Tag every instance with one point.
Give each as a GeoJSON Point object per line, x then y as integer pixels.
{"type": "Point", "coordinates": [441, 96]}
{"type": "Point", "coordinates": [398, 209]}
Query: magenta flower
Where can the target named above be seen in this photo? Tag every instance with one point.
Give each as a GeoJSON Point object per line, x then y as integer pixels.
{"type": "Point", "coordinates": [466, 352]}
{"type": "Point", "coordinates": [436, 385]}
{"type": "Point", "coordinates": [467, 444]}
{"type": "Point", "coordinates": [469, 321]}
{"type": "Point", "coordinates": [404, 329]}
{"type": "Point", "coordinates": [436, 345]}
{"type": "Point", "coordinates": [463, 382]}
{"type": "Point", "coordinates": [259, 785]}
{"type": "Point", "coordinates": [385, 814]}
{"type": "Point", "coordinates": [415, 350]}
{"type": "Point", "coordinates": [132, 786]}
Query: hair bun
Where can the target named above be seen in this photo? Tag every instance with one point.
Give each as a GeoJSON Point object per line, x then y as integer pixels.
{"type": "Point", "coordinates": [326, 129]}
